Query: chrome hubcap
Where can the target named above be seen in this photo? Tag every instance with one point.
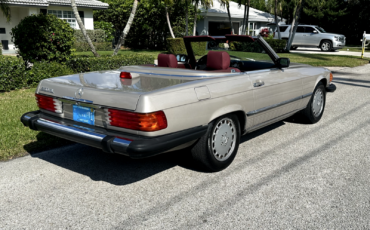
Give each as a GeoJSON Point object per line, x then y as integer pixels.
{"type": "Point", "coordinates": [325, 46]}
{"type": "Point", "coordinates": [223, 139]}
{"type": "Point", "coordinates": [317, 103]}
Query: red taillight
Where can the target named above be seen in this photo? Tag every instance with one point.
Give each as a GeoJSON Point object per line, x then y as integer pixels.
{"type": "Point", "coordinates": [125, 75]}
{"type": "Point", "coordinates": [137, 121]}
{"type": "Point", "coordinates": [49, 103]}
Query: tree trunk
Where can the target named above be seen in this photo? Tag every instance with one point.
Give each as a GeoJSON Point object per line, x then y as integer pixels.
{"type": "Point", "coordinates": [82, 28]}
{"type": "Point", "coordinates": [276, 21]}
{"type": "Point", "coordinates": [247, 19]}
{"type": "Point", "coordinates": [295, 25]}
{"type": "Point", "coordinates": [122, 38]}
{"type": "Point", "coordinates": [228, 13]}
{"type": "Point", "coordinates": [186, 21]}
{"type": "Point", "coordinates": [244, 19]}
{"type": "Point", "coordinates": [195, 19]}
{"type": "Point", "coordinates": [169, 23]}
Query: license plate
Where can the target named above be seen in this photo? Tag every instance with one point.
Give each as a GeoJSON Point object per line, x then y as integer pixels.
{"type": "Point", "coordinates": [84, 114]}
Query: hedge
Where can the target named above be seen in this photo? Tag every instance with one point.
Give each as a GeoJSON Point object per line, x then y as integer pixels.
{"type": "Point", "coordinates": [15, 75]}
{"type": "Point", "coordinates": [95, 35]}
{"type": "Point", "coordinates": [99, 46]}
{"type": "Point", "coordinates": [177, 46]}
{"type": "Point", "coordinates": [277, 45]}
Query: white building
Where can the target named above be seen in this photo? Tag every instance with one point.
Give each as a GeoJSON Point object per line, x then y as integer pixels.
{"type": "Point", "coordinates": [216, 21]}
{"type": "Point", "coordinates": [60, 8]}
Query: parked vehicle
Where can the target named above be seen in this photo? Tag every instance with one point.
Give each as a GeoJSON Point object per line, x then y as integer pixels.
{"type": "Point", "coordinates": [205, 105]}
{"type": "Point", "coordinates": [312, 36]}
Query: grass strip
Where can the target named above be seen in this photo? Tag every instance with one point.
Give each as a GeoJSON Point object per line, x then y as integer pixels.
{"type": "Point", "coordinates": [15, 139]}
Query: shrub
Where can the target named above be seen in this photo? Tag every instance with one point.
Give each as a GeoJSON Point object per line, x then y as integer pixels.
{"type": "Point", "coordinates": [94, 35]}
{"type": "Point", "coordinates": [43, 37]}
{"type": "Point", "coordinates": [87, 64]}
{"type": "Point", "coordinates": [12, 71]}
{"type": "Point", "coordinates": [84, 46]}
{"type": "Point", "coordinates": [43, 70]}
{"type": "Point", "coordinates": [108, 29]}
{"type": "Point", "coordinates": [177, 46]}
{"type": "Point", "coordinates": [277, 45]}
{"type": "Point", "coordinates": [1, 49]}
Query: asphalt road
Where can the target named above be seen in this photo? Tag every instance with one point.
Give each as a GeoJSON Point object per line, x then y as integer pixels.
{"type": "Point", "coordinates": [289, 175]}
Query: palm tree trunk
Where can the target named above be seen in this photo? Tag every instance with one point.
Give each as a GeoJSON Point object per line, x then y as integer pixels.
{"type": "Point", "coordinates": [82, 28]}
{"type": "Point", "coordinates": [195, 19]}
{"type": "Point", "coordinates": [169, 23]}
{"type": "Point", "coordinates": [247, 19]}
{"type": "Point", "coordinates": [276, 21]}
{"type": "Point", "coordinates": [244, 19]}
{"type": "Point", "coordinates": [122, 38]}
{"type": "Point", "coordinates": [228, 13]}
{"type": "Point", "coordinates": [295, 25]}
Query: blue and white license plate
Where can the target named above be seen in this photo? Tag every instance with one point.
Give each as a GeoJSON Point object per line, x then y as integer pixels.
{"type": "Point", "coordinates": [84, 114]}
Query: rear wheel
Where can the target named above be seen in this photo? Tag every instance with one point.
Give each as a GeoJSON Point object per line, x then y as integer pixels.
{"type": "Point", "coordinates": [325, 46]}
{"type": "Point", "coordinates": [218, 147]}
{"type": "Point", "coordinates": [316, 105]}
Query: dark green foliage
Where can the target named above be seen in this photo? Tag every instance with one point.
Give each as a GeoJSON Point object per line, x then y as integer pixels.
{"type": "Point", "coordinates": [149, 28]}
{"type": "Point", "coordinates": [43, 70]}
{"type": "Point", "coordinates": [277, 45]}
{"type": "Point", "coordinates": [177, 46]}
{"type": "Point", "coordinates": [97, 35]}
{"type": "Point", "coordinates": [87, 64]}
{"type": "Point", "coordinates": [1, 49]}
{"type": "Point", "coordinates": [12, 73]}
{"type": "Point", "coordinates": [84, 46]}
{"type": "Point", "coordinates": [246, 47]}
{"type": "Point", "coordinates": [108, 29]}
{"type": "Point", "coordinates": [43, 37]}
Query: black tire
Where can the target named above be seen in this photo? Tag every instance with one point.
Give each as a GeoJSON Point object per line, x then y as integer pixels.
{"type": "Point", "coordinates": [314, 111]}
{"type": "Point", "coordinates": [205, 150]}
{"type": "Point", "coordinates": [326, 46]}
{"type": "Point", "coordinates": [293, 47]}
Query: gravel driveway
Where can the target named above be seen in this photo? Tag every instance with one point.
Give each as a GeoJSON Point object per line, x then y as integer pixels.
{"type": "Point", "coordinates": [287, 175]}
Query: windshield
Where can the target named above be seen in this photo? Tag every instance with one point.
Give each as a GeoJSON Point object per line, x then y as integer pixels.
{"type": "Point", "coordinates": [240, 51]}
{"type": "Point", "coordinates": [320, 29]}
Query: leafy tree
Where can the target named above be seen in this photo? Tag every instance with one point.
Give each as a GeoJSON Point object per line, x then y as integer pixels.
{"type": "Point", "coordinates": [202, 3]}
{"type": "Point", "coordinates": [43, 37]}
{"type": "Point", "coordinates": [226, 4]}
{"type": "Point", "coordinates": [5, 9]}
{"type": "Point", "coordinates": [82, 27]}
{"type": "Point", "coordinates": [108, 29]}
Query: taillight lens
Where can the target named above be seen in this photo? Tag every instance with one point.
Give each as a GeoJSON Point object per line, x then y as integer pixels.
{"type": "Point", "coordinates": [331, 77]}
{"type": "Point", "coordinates": [125, 75]}
{"type": "Point", "coordinates": [137, 121]}
{"type": "Point", "coordinates": [49, 103]}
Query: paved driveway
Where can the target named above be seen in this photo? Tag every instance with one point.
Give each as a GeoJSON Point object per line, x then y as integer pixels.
{"type": "Point", "coordinates": [287, 175]}
{"type": "Point", "coordinates": [337, 52]}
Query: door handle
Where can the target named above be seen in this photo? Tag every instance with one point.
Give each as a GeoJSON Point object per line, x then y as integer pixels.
{"type": "Point", "coordinates": [258, 83]}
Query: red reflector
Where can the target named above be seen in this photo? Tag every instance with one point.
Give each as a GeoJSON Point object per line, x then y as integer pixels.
{"type": "Point", "coordinates": [138, 121]}
{"type": "Point", "coordinates": [125, 75]}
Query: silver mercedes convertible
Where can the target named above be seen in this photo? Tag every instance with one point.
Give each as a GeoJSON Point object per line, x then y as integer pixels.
{"type": "Point", "coordinates": [203, 103]}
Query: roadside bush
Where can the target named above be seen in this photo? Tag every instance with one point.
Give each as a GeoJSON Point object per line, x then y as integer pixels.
{"type": "Point", "coordinates": [108, 29]}
{"type": "Point", "coordinates": [43, 37]}
{"type": "Point", "coordinates": [43, 70]}
{"type": "Point", "coordinates": [95, 35]}
{"type": "Point", "coordinates": [84, 46]}
{"type": "Point", "coordinates": [87, 64]}
{"type": "Point", "coordinates": [12, 72]}
{"type": "Point", "coordinates": [177, 46]}
{"type": "Point", "coordinates": [277, 45]}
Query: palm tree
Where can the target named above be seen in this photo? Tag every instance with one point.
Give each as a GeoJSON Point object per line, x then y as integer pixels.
{"type": "Point", "coordinates": [5, 9]}
{"type": "Point", "coordinates": [245, 18]}
{"type": "Point", "coordinates": [276, 20]}
{"type": "Point", "coordinates": [294, 25]}
{"type": "Point", "coordinates": [82, 27]}
{"type": "Point", "coordinates": [226, 4]}
{"type": "Point", "coordinates": [123, 36]}
{"type": "Point", "coordinates": [202, 3]}
{"type": "Point", "coordinates": [166, 4]}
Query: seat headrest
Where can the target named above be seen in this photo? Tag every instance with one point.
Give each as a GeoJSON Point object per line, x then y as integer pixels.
{"type": "Point", "coordinates": [218, 60]}
{"type": "Point", "coordinates": [167, 60]}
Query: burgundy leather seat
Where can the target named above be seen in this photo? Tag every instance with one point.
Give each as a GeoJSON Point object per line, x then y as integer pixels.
{"type": "Point", "coordinates": [167, 60]}
{"type": "Point", "coordinates": [219, 61]}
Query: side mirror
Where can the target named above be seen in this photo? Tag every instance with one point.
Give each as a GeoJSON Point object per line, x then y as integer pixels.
{"type": "Point", "coordinates": [283, 62]}
{"type": "Point", "coordinates": [315, 32]}
{"type": "Point", "coordinates": [182, 58]}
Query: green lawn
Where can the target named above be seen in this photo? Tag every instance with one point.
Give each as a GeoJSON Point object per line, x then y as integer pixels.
{"type": "Point", "coordinates": [355, 49]}
{"type": "Point", "coordinates": [15, 139]}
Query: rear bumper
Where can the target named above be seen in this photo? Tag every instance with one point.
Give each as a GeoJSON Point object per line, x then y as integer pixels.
{"type": "Point", "coordinates": [110, 141]}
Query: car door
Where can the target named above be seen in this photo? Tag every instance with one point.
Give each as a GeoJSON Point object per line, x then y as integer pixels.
{"type": "Point", "coordinates": [276, 92]}
{"type": "Point", "coordinates": [298, 38]}
{"type": "Point", "coordinates": [309, 37]}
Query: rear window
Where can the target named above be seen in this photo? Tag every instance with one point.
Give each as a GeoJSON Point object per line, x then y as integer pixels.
{"type": "Point", "coordinates": [283, 28]}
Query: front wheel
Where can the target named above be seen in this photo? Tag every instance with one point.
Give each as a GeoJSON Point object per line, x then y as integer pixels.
{"type": "Point", "coordinates": [218, 147]}
{"type": "Point", "coordinates": [325, 46]}
{"type": "Point", "coordinates": [316, 105]}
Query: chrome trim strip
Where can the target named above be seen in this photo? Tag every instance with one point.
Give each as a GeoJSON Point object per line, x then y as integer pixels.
{"type": "Point", "coordinates": [77, 99]}
{"type": "Point", "coordinates": [254, 112]}
{"type": "Point", "coordinates": [307, 95]}
{"type": "Point", "coordinates": [80, 103]}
